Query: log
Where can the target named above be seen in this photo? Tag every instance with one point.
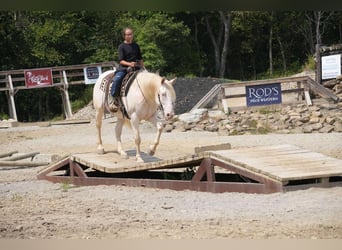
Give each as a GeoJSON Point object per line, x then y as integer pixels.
{"type": "Point", "coordinates": [20, 157]}
{"type": "Point", "coordinates": [22, 164]}
{"type": "Point", "coordinates": [8, 154]}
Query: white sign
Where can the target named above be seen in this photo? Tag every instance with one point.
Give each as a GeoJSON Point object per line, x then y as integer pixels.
{"type": "Point", "coordinates": [331, 66]}
{"type": "Point", "coordinates": [91, 74]}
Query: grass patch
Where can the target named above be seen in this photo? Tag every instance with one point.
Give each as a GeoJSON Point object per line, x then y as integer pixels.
{"type": "Point", "coordinates": [17, 197]}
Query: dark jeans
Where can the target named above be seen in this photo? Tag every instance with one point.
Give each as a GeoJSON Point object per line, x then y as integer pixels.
{"type": "Point", "coordinates": [119, 75]}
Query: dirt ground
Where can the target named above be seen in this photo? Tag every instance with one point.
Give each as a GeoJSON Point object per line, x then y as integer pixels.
{"type": "Point", "coordinates": [37, 209]}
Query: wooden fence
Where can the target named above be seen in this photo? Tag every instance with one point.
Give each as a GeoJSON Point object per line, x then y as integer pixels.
{"type": "Point", "coordinates": [63, 76]}
{"type": "Point", "coordinates": [293, 90]}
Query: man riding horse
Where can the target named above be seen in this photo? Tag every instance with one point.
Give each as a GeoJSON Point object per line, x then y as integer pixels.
{"type": "Point", "coordinates": [130, 59]}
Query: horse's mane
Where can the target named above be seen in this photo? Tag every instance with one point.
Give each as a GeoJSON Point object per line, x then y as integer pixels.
{"type": "Point", "coordinates": [154, 85]}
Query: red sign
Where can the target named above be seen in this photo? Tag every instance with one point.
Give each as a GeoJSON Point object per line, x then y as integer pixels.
{"type": "Point", "coordinates": [38, 77]}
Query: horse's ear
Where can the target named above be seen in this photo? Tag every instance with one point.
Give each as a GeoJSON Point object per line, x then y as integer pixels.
{"type": "Point", "coordinates": [163, 80]}
{"type": "Point", "coordinates": [173, 81]}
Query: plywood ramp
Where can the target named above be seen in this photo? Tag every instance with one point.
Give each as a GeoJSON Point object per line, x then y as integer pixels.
{"type": "Point", "coordinates": [112, 162]}
{"type": "Point", "coordinates": [283, 163]}
{"type": "Point", "coordinates": [262, 169]}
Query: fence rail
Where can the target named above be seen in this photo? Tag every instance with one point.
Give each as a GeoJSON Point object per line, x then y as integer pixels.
{"type": "Point", "coordinates": [11, 81]}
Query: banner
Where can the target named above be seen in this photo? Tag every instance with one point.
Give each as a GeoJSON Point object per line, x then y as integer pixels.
{"type": "Point", "coordinates": [331, 66]}
{"type": "Point", "coordinates": [91, 74]}
{"type": "Point", "coordinates": [266, 94]}
{"type": "Point", "coordinates": [38, 77]}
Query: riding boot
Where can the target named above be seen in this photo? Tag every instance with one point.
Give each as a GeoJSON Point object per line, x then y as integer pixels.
{"type": "Point", "coordinates": [113, 104]}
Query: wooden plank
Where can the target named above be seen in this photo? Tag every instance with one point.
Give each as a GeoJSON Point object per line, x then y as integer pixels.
{"type": "Point", "coordinates": [268, 81]}
{"type": "Point", "coordinates": [223, 146]}
{"type": "Point", "coordinates": [283, 162]}
{"type": "Point", "coordinates": [70, 121]}
{"type": "Point", "coordinates": [208, 97]}
{"type": "Point", "coordinates": [22, 164]}
{"type": "Point", "coordinates": [114, 163]}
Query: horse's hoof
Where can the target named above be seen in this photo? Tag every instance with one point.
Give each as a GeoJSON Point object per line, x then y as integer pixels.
{"type": "Point", "coordinates": [100, 151]}
{"type": "Point", "coordinates": [124, 156]}
{"type": "Point", "coordinates": [151, 151]}
{"type": "Point", "coordinates": [139, 159]}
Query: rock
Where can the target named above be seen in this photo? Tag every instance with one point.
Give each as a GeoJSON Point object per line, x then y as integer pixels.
{"type": "Point", "coordinates": [193, 117]}
{"type": "Point", "coordinates": [307, 129]}
{"type": "Point", "coordinates": [212, 128]}
{"type": "Point", "coordinates": [316, 126]}
{"type": "Point", "coordinates": [168, 128]}
{"type": "Point", "coordinates": [314, 120]}
{"type": "Point", "coordinates": [338, 126]}
{"type": "Point", "coordinates": [304, 119]}
{"type": "Point", "coordinates": [217, 115]}
{"type": "Point", "coordinates": [330, 120]}
{"type": "Point", "coordinates": [327, 129]}
{"type": "Point", "coordinates": [316, 114]}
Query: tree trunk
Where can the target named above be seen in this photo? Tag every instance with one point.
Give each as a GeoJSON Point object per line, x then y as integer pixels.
{"type": "Point", "coordinates": [227, 23]}
{"type": "Point", "coordinates": [270, 55]}
{"type": "Point", "coordinates": [220, 55]}
{"type": "Point", "coordinates": [282, 54]}
{"type": "Point", "coordinates": [197, 45]}
{"type": "Point", "coordinates": [318, 16]}
{"type": "Point", "coordinates": [215, 45]}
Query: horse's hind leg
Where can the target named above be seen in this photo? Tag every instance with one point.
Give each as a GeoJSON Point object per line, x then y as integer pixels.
{"type": "Point", "coordinates": [118, 131]}
{"type": "Point", "coordinates": [99, 116]}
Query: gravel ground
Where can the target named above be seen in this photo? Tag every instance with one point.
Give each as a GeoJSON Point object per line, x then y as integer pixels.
{"type": "Point", "coordinates": [34, 209]}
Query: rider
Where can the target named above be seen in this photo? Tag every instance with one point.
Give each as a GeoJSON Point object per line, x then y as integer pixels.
{"type": "Point", "coordinates": [130, 58]}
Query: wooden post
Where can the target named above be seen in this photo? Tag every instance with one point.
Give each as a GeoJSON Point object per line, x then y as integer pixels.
{"type": "Point", "coordinates": [12, 109]}
{"type": "Point", "coordinates": [67, 105]}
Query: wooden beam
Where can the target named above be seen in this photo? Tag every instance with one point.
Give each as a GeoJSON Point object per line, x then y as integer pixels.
{"type": "Point", "coordinates": [13, 111]}
{"type": "Point", "coordinates": [20, 157]}
{"type": "Point", "coordinates": [22, 164]}
{"type": "Point", "coordinates": [8, 153]}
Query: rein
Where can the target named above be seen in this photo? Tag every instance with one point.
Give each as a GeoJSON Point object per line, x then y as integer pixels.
{"type": "Point", "coordinates": [160, 106]}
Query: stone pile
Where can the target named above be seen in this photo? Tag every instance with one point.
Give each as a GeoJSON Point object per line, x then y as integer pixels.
{"type": "Point", "coordinates": [299, 118]}
{"type": "Point", "coordinates": [335, 85]}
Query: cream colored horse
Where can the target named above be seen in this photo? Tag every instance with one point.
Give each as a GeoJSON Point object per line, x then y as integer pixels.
{"type": "Point", "coordinates": [148, 93]}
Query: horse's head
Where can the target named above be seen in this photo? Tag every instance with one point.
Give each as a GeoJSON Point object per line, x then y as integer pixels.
{"type": "Point", "coordinates": [167, 98]}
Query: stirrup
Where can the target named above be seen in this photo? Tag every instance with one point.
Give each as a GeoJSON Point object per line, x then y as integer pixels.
{"type": "Point", "coordinates": [113, 104]}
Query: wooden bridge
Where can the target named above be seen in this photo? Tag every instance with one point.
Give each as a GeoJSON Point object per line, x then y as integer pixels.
{"type": "Point", "coordinates": [263, 169]}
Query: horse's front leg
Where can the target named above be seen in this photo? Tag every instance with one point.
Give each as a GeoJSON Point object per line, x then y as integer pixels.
{"type": "Point", "coordinates": [118, 131]}
{"type": "Point", "coordinates": [99, 115]}
{"type": "Point", "coordinates": [159, 126]}
{"type": "Point", "coordinates": [137, 138]}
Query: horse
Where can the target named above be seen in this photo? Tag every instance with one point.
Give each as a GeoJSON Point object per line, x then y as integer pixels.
{"type": "Point", "coordinates": [147, 94]}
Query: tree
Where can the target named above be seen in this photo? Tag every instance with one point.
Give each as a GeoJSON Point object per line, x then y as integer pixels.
{"type": "Point", "coordinates": [166, 45]}
{"type": "Point", "coordinates": [220, 40]}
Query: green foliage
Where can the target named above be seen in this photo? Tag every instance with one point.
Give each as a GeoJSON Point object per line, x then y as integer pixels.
{"type": "Point", "coordinates": [175, 44]}
{"type": "Point", "coordinates": [82, 99]}
{"type": "Point", "coordinates": [3, 116]}
{"type": "Point", "coordinates": [309, 64]}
